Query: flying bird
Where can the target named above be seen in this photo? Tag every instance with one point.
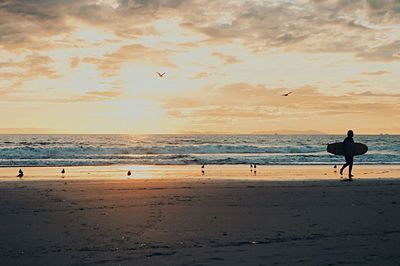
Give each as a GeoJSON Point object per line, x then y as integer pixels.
{"type": "Point", "coordinates": [287, 94]}
{"type": "Point", "coordinates": [161, 74]}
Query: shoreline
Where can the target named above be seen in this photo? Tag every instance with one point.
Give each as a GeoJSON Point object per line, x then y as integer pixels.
{"type": "Point", "coordinates": [219, 172]}
{"type": "Point", "coordinates": [182, 165]}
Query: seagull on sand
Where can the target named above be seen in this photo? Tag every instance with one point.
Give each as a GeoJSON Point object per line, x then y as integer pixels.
{"type": "Point", "coordinates": [20, 173]}
{"type": "Point", "coordinates": [63, 171]}
{"type": "Point", "coordinates": [129, 173]}
{"type": "Point", "coordinates": [202, 167]}
{"type": "Point", "coordinates": [161, 74]}
{"type": "Point", "coordinates": [287, 94]}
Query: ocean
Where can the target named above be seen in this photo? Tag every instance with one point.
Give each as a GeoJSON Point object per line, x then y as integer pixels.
{"type": "Point", "coordinates": [86, 150]}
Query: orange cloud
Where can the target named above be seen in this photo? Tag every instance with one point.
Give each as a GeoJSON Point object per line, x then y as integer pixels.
{"type": "Point", "coordinates": [227, 59]}
{"type": "Point", "coordinates": [74, 62]}
{"type": "Point", "coordinates": [112, 62]}
{"type": "Point", "coordinates": [90, 96]}
{"type": "Point", "coordinates": [375, 73]}
{"type": "Point", "coordinates": [244, 103]}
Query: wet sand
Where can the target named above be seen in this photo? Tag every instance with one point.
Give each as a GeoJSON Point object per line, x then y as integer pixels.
{"type": "Point", "coordinates": [199, 221]}
{"type": "Point", "coordinates": [235, 172]}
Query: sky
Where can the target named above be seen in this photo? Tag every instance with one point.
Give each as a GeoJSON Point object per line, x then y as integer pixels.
{"type": "Point", "coordinates": [89, 66]}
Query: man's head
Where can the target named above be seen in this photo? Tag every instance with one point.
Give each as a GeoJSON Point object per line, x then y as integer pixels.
{"type": "Point", "coordinates": [350, 133]}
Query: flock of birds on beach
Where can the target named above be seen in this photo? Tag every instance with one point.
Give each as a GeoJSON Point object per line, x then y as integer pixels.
{"type": "Point", "coordinates": [21, 173]}
{"type": "Point", "coordinates": [129, 173]}
{"type": "Point", "coordinates": [253, 169]}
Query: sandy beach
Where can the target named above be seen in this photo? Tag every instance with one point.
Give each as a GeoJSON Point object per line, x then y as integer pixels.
{"type": "Point", "coordinates": [204, 132]}
{"type": "Point", "coordinates": [200, 221]}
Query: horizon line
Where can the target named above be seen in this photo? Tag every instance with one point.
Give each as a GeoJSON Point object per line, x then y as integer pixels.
{"type": "Point", "coordinates": [199, 133]}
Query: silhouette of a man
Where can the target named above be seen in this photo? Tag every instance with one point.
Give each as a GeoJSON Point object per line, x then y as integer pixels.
{"type": "Point", "coordinates": [348, 146]}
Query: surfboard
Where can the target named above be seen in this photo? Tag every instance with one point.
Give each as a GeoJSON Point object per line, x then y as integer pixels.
{"type": "Point", "coordinates": [337, 148]}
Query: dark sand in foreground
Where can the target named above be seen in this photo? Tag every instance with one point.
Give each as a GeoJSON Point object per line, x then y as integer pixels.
{"type": "Point", "coordinates": [199, 222]}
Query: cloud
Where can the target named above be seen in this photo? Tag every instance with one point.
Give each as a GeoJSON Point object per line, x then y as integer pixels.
{"type": "Point", "coordinates": [27, 24]}
{"type": "Point", "coordinates": [31, 25]}
{"type": "Point", "coordinates": [227, 59]}
{"type": "Point", "coordinates": [386, 52]}
{"type": "Point", "coordinates": [112, 62]}
{"type": "Point", "coordinates": [226, 112]}
{"type": "Point", "coordinates": [373, 94]}
{"type": "Point", "coordinates": [39, 65]}
{"type": "Point", "coordinates": [364, 28]}
{"type": "Point", "coordinates": [14, 74]}
{"type": "Point", "coordinates": [200, 75]}
{"type": "Point", "coordinates": [246, 101]}
{"type": "Point", "coordinates": [375, 73]}
{"type": "Point", "coordinates": [90, 96]}
{"type": "Point", "coordinates": [69, 47]}
{"type": "Point", "coordinates": [352, 81]}
{"type": "Point", "coordinates": [356, 83]}
{"type": "Point", "coordinates": [306, 26]}
{"type": "Point", "coordinates": [27, 130]}
{"type": "Point", "coordinates": [74, 62]}
{"type": "Point", "coordinates": [105, 94]}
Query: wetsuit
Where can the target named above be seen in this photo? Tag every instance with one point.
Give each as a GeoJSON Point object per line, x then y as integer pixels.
{"type": "Point", "coordinates": [348, 146]}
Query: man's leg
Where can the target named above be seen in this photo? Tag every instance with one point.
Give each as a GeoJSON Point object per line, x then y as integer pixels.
{"type": "Point", "coordinates": [350, 167]}
{"type": "Point", "coordinates": [349, 161]}
{"type": "Point", "coordinates": [344, 166]}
